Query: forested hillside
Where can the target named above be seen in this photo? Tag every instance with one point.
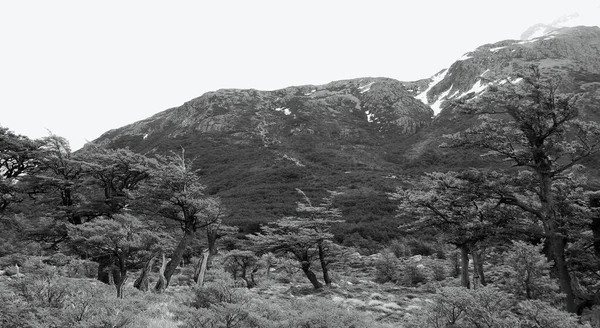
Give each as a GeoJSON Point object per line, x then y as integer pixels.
{"type": "Point", "coordinates": [343, 205]}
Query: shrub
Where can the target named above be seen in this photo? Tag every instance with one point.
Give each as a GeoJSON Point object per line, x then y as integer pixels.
{"type": "Point", "coordinates": [539, 314]}
{"type": "Point", "coordinates": [220, 288]}
{"type": "Point", "coordinates": [528, 273]}
{"type": "Point", "coordinates": [439, 271]}
{"type": "Point", "coordinates": [387, 268]}
{"type": "Point", "coordinates": [461, 307]}
{"type": "Point", "coordinates": [489, 307]}
{"type": "Point", "coordinates": [420, 247]}
{"type": "Point", "coordinates": [413, 274]}
{"type": "Point", "coordinates": [399, 248]}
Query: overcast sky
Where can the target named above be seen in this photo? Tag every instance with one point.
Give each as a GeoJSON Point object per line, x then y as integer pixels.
{"type": "Point", "coordinates": [79, 68]}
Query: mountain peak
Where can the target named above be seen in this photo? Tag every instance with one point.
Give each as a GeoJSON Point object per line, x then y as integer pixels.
{"type": "Point", "coordinates": [584, 17]}
{"type": "Point", "coordinates": [568, 49]}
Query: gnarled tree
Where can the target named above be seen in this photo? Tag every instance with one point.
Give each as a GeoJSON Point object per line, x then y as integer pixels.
{"type": "Point", "coordinates": [529, 122]}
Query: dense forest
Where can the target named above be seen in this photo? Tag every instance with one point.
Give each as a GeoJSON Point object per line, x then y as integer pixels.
{"type": "Point", "coordinates": [106, 237]}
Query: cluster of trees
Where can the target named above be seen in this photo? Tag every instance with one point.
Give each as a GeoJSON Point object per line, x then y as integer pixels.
{"type": "Point", "coordinates": [542, 196]}
{"type": "Point", "coordinates": [112, 206]}
{"type": "Point", "coordinates": [123, 210]}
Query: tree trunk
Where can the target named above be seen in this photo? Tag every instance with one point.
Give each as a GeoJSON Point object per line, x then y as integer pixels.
{"type": "Point", "coordinates": [312, 277]}
{"type": "Point", "coordinates": [595, 225]}
{"type": "Point", "coordinates": [211, 236]}
{"type": "Point", "coordinates": [323, 262]}
{"type": "Point", "coordinates": [120, 272]}
{"type": "Point", "coordinates": [252, 281]}
{"type": "Point", "coordinates": [202, 271]}
{"type": "Point", "coordinates": [175, 260]}
{"type": "Point", "coordinates": [161, 284]}
{"type": "Point", "coordinates": [557, 243]}
{"type": "Point", "coordinates": [478, 267]}
{"type": "Point", "coordinates": [464, 270]}
{"type": "Point", "coordinates": [476, 277]}
{"type": "Point", "coordinates": [121, 283]}
{"type": "Point", "coordinates": [556, 240]}
{"type": "Point", "coordinates": [141, 282]}
{"type": "Point", "coordinates": [456, 264]}
{"type": "Point", "coordinates": [104, 272]}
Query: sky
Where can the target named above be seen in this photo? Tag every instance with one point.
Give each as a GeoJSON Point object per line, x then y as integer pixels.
{"type": "Point", "coordinates": [80, 68]}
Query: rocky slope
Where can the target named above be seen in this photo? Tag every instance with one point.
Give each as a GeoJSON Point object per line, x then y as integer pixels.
{"type": "Point", "coordinates": [343, 109]}
{"type": "Point", "coordinates": [360, 136]}
{"type": "Point", "coordinates": [574, 51]}
{"type": "Point", "coordinates": [255, 147]}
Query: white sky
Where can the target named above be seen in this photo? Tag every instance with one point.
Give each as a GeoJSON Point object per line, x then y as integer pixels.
{"type": "Point", "coordinates": [79, 68]}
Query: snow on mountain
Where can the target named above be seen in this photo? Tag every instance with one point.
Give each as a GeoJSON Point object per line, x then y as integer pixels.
{"type": "Point", "coordinates": [469, 76]}
{"type": "Point", "coordinates": [434, 80]}
{"type": "Point", "coordinates": [586, 17]}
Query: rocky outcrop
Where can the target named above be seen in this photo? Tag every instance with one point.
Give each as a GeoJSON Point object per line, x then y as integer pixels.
{"type": "Point", "coordinates": [336, 110]}
{"type": "Point", "coordinates": [571, 51]}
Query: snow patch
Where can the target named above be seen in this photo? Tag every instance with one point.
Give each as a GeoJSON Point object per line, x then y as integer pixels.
{"type": "Point", "coordinates": [434, 80]}
{"type": "Point", "coordinates": [476, 88]}
{"type": "Point", "coordinates": [526, 41]}
{"type": "Point", "coordinates": [496, 49]}
{"type": "Point", "coordinates": [285, 110]}
{"type": "Point", "coordinates": [145, 136]}
{"type": "Point", "coordinates": [293, 160]}
{"type": "Point", "coordinates": [464, 57]}
{"type": "Point", "coordinates": [310, 93]}
{"type": "Point", "coordinates": [437, 106]}
{"type": "Point", "coordinates": [365, 87]}
{"type": "Point", "coordinates": [482, 74]}
{"type": "Point", "coordinates": [369, 116]}
{"type": "Point", "coordinates": [540, 31]}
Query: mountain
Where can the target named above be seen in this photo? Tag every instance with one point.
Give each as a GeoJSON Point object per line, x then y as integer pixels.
{"type": "Point", "coordinates": [255, 147]}
{"type": "Point", "coordinates": [360, 136]}
{"type": "Point", "coordinates": [574, 53]}
{"type": "Point", "coordinates": [584, 16]}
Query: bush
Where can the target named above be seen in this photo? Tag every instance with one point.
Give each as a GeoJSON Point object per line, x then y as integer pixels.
{"type": "Point", "coordinates": [387, 268]}
{"type": "Point", "coordinates": [421, 247]}
{"type": "Point", "coordinates": [46, 299]}
{"type": "Point", "coordinates": [399, 248]}
{"type": "Point", "coordinates": [461, 307]}
{"type": "Point", "coordinates": [219, 288]}
{"type": "Point", "coordinates": [528, 273]}
{"type": "Point", "coordinates": [489, 307]}
{"type": "Point", "coordinates": [413, 274]}
{"type": "Point", "coordinates": [439, 271]}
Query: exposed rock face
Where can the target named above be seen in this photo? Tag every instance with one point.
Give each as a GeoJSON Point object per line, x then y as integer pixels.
{"type": "Point", "coordinates": [573, 51]}
{"type": "Point", "coordinates": [339, 109]}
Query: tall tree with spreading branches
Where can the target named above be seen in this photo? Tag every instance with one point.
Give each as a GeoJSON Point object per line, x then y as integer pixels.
{"type": "Point", "coordinates": [176, 193]}
{"type": "Point", "coordinates": [529, 123]}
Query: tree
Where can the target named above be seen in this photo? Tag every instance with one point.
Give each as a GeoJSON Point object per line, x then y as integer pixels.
{"type": "Point", "coordinates": [320, 218]}
{"type": "Point", "coordinates": [124, 238]}
{"type": "Point", "coordinates": [244, 263]}
{"type": "Point", "coordinates": [19, 157]}
{"type": "Point", "coordinates": [459, 207]}
{"type": "Point", "coordinates": [61, 172]}
{"type": "Point", "coordinates": [117, 172]}
{"type": "Point", "coordinates": [215, 229]}
{"type": "Point", "coordinates": [176, 193]}
{"type": "Point", "coordinates": [529, 123]}
{"type": "Point", "coordinates": [289, 236]}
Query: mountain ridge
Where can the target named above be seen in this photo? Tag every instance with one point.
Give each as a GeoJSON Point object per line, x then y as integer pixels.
{"type": "Point", "coordinates": [254, 148]}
